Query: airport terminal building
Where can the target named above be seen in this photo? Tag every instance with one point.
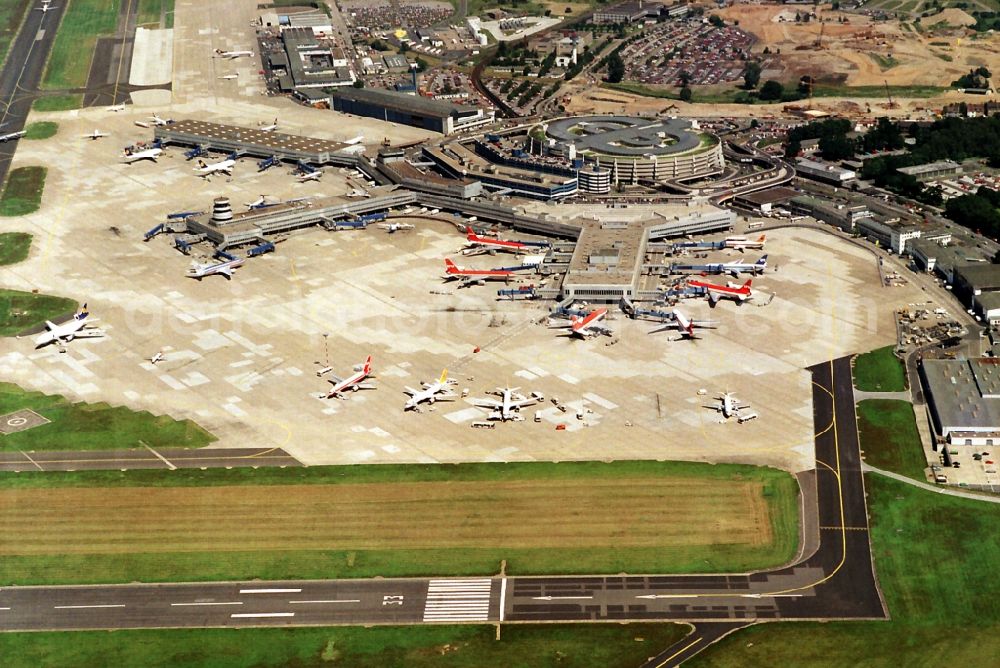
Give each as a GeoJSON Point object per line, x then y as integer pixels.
{"type": "Point", "coordinates": [414, 110]}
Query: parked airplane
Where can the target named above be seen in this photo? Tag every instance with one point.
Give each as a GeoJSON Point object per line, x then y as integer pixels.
{"type": "Point", "coordinates": [395, 227]}
{"type": "Point", "coordinates": [13, 135]}
{"type": "Point", "coordinates": [221, 167]}
{"type": "Point", "coordinates": [311, 176]}
{"type": "Point", "coordinates": [742, 243]}
{"type": "Point", "coordinates": [219, 53]}
{"type": "Point", "coordinates": [270, 127]}
{"type": "Point", "coordinates": [737, 268]}
{"type": "Point", "coordinates": [76, 328]}
{"type": "Point", "coordinates": [156, 120]}
{"type": "Point", "coordinates": [585, 326]}
{"type": "Point", "coordinates": [730, 407]}
{"type": "Point", "coordinates": [262, 202]}
{"type": "Point", "coordinates": [475, 276]}
{"type": "Point", "coordinates": [738, 293]}
{"type": "Point", "coordinates": [476, 245]}
{"type": "Point", "coordinates": [158, 357]}
{"type": "Point", "coordinates": [509, 406]}
{"type": "Point", "coordinates": [355, 140]}
{"type": "Point", "coordinates": [96, 134]}
{"type": "Point", "coordinates": [686, 325]}
{"type": "Point", "coordinates": [146, 154]}
{"type": "Point", "coordinates": [438, 390]}
{"type": "Point", "coordinates": [230, 76]}
{"type": "Point", "coordinates": [116, 107]}
{"type": "Point", "coordinates": [226, 268]}
{"type": "Point", "coordinates": [352, 382]}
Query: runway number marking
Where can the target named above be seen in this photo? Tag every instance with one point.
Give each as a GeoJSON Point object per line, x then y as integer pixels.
{"type": "Point", "coordinates": [392, 600]}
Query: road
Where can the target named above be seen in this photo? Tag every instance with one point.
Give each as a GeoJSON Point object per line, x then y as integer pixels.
{"type": "Point", "coordinates": [836, 581]}
{"type": "Point", "coordinates": [147, 458]}
{"type": "Point", "coordinates": [22, 73]}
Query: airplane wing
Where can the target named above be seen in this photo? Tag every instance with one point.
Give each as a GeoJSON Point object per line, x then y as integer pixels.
{"type": "Point", "coordinates": [487, 403]}
{"type": "Point", "coordinates": [333, 380]}
{"type": "Point", "coordinates": [90, 333]}
{"type": "Point", "coordinates": [521, 403]}
{"type": "Point", "coordinates": [410, 391]}
{"type": "Point", "coordinates": [713, 298]}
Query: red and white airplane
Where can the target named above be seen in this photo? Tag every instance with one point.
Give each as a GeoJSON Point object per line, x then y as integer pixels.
{"type": "Point", "coordinates": [586, 326]}
{"type": "Point", "coordinates": [352, 382]}
{"type": "Point", "coordinates": [686, 325]}
{"type": "Point", "coordinates": [738, 293]}
{"type": "Point", "coordinates": [476, 245]}
{"type": "Point", "coordinates": [742, 243]}
{"type": "Point", "coordinates": [474, 276]}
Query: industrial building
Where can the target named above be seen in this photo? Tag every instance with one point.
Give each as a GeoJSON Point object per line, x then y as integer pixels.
{"type": "Point", "coordinates": [932, 170]}
{"type": "Point", "coordinates": [964, 400]}
{"type": "Point", "coordinates": [309, 62]}
{"type": "Point", "coordinates": [630, 11]}
{"type": "Point", "coordinates": [888, 232]}
{"type": "Point", "coordinates": [417, 111]}
{"type": "Point", "coordinates": [824, 171]}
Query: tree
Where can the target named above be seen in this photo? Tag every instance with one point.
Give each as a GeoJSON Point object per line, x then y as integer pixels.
{"type": "Point", "coordinates": [754, 124]}
{"type": "Point", "coordinates": [836, 147]}
{"type": "Point", "coordinates": [716, 20]}
{"type": "Point", "coordinates": [421, 64]}
{"type": "Point", "coordinates": [379, 45]}
{"type": "Point", "coordinates": [793, 148]}
{"type": "Point", "coordinates": [404, 47]}
{"type": "Point", "coordinates": [686, 94]}
{"type": "Point", "coordinates": [684, 78]}
{"type": "Point", "coordinates": [751, 75]}
{"type": "Point", "coordinates": [358, 83]}
{"type": "Point", "coordinates": [771, 90]}
{"type": "Point", "coordinates": [616, 68]}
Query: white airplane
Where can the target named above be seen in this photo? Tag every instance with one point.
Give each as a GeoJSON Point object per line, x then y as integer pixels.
{"type": "Point", "coordinates": [742, 243]}
{"type": "Point", "coordinates": [438, 390]}
{"type": "Point", "coordinates": [147, 154]}
{"type": "Point", "coordinates": [271, 127]}
{"type": "Point", "coordinates": [226, 268]}
{"type": "Point", "coordinates": [219, 53]}
{"type": "Point", "coordinates": [352, 382]}
{"type": "Point", "coordinates": [509, 406]}
{"type": "Point", "coordinates": [357, 192]}
{"type": "Point", "coordinates": [587, 326]}
{"type": "Point", "coordinates": [311, 176]}
{"type": "Point", "coordinates": [76, 328]}
{"type": "Point", "coordinates": [46, 7]}
{"type": "Point", "coordinates": [262, 201]}
{"type": "Point", "coordinates": [13, 135]}
{"type": "Point", "coordinates": [395, 227]}
{"type": "Point", "coordinates": [221, 167]}
{"type": "Point", "coordinates": [685, 325]}
{"type": "Point", "coordinates": [729, 405]}
{"type": "Point", "coordinates": [230, 76]}
{"type": "Point", "coordinates": [116, 107]}
{"type": "Point", "coordinates": [156, 120]}
{"type": "Point", "coordinates": [96, 134]}
{"type": "Point", "coordinates": [158, 357]}
{"type": "Point", "coordinates": [355, 140]}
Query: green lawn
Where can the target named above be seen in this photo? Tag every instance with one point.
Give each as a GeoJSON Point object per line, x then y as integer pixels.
{"type": "Point", "coordinates": [936, 559]}
{"type": "Point", "coordinates": [149, 11]}
{"type": "Point", "coordinates": [83, 22]}
{"type": "Point", "coordinates": [916, 91]}
{"type": "Point", "coordinates": [889, 437]}
{"type": "Point", "coordinates": [537, 646]}
{"type": "Point", "coordinates": [884, 62]}
{"type": "Point", "coordinates": [82, 426]}
{"type": "Point", "coordinates": [58, 102]}
{"type": "Point", "coordinates": [879, 371]}
{"type": "Point", "coordinates": [14, 247]}
{"type": "Point", "coordinates": [20, 311]}
{"type": "Point", "coordinates": [11, 12]}
{"type": "Point", "coordinates": [22, 193]}
{"type": "Point", "coordinates": [41, 130]}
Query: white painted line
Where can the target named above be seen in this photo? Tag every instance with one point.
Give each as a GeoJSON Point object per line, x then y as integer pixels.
{"type": "Point", "coordinates": [558, 598]}
{"type": "Point", "coordinates": [261, 614]}
{"type": "Point", "coordinates": [270, 591]}
{"type": "Point", "coordinates": [159, 456]}
{"type": "Point", "coordinates": [669, 596]}
{"type": "Point", "coordinates": [80, 607]}
{"type": "Point", "coordinates": [342, 600]}
{"type": "Point", "coordinates": [4, 608]}
{"type": "Point", "coordinates": [30, 459]}
{"type": "Point", "coordinates": [503, 596]}
{"type": "Point", "coordinates": [219, 603]}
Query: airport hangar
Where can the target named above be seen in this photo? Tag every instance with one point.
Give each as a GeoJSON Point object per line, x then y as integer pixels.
{"type": "Point", "coordinates": [607, 261]}
{"type": "Point", "coordinates": [964, 400]}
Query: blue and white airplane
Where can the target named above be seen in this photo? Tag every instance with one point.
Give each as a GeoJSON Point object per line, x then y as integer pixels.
{"type": "Point", "coordinates": [76, 328]}
{"type": "Point", "coordinates": [200, 271]}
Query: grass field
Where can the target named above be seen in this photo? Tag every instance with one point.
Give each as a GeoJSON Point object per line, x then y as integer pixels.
{"type": "Point", "coordinates": [916, 91]}
{"type": "Point", "coordinates": [884, 62]}
{"type": "Point", "coordinates": [541, 646]}
{"type": "Point", "coordinates": [936, 560]}
{"type": "Point", "coordinates": [58, 102]}
{"type": "Point", "coordinates": [11, 13]}
{"type": "Point", "coordinates": [20, 311]}
{"type": "Point", "coordinates": [582, 518]}
{"type": "Point", "coordinates": [81, 426]}
{"type": "Point", "coordinates": [22, 193]}
{"type": "Point", "coordinates": [889, 437]}
{"type": "Point", "coordinates": [41, 130]}
{"type": "Point", "coordinates": [879, 371]}
{"type": "Point", "coordinates": [83, 22]}
{"type": "Point", "coordinates": [14, 247]}
{"type": "Point", "coordinates": [148, 13]}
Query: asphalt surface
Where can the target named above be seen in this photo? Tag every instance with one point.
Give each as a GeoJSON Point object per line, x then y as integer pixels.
{"type": "Point", "coordinates": [837, 581]}
{"type": "Point", "coordinates": [147, 458]}
{"type": "Point", "coordinates": [22, 73]}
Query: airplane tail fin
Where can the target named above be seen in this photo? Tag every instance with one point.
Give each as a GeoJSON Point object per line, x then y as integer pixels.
{"type": "Point", "coordinates": [747, 284]}
{"type": "Point", "coordinates": [368, 365]}
{"type": "Point", "coordinates": [449, 265]}
{"type": "Point", "coordinates": [469, 232]}
{"type": "Point", "coordinates": [444, 377]}
{"type": "Point", "coordinates": [763, 238]}
{"type": "Point", "coordinates": [762, 261]}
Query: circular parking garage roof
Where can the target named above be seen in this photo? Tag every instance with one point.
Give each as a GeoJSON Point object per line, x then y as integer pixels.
{"type": "Point", "coordinates": [626, 136]}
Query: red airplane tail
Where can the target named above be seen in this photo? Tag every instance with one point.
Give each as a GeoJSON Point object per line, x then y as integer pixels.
{"type": "Point", "coordinates": [470, 234]}
{"type": "Point", "coordinates": [450, 266]}
{"type": "Point", "coordinates": [763, 238]}
{"type": "Point", "coordinates": [368, 365]}
{"type": "Point", "coordinates": [747, 284]}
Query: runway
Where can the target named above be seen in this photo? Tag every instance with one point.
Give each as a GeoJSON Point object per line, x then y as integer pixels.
{"type": "Point", "coordinates": [837, 581]}
{"type": "Point", "coordinates": [148, 458]}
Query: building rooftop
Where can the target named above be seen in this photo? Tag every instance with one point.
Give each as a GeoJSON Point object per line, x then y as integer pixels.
{"type": "Point", "coordinates": [981, 275]}
{"type": "Point", "coordinates": [770, 196]}
{"type": "Point", "coordinates": [930, 167]}
{"type": "Point", "coordinates": [403, 102]}
{"type": "Point", "coordinates": [956, 389]}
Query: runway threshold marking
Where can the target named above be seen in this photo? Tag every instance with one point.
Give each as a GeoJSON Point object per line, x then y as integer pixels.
{"type": "Point", "coordinates": [246, 615]}
{"type": "Point", "coordinates": [503, 596]}
{"type": "Point", "coordinates": [336, 600]}
{"type": "Point", "coordinates": [270, 591]}
{"type": "Point", "coordinates": [4, 608]}
{"type": "Point", "coordinates": [678, 653]}
{"type": "Point", "coordinates": [212, 603]}
{"type": "Point", "coordinates": [159, 456]}
{"type": "Point", "coordinates": [81, 607]}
